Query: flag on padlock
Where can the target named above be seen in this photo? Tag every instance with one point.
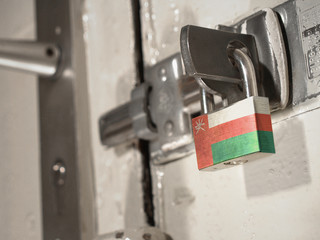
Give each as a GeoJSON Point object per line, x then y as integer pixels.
{"type": "Point", "coordinates": [233, 135]}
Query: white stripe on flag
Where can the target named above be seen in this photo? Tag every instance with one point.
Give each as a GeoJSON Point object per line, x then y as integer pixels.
{"type": "Point", "coordinates": [239, 109]}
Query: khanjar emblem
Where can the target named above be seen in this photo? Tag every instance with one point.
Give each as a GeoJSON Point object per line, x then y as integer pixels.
{"type": "Point", "coordinates": [199, 125]}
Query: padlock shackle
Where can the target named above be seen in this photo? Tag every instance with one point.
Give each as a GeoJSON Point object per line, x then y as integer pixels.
{"type": "Point", "coordinates": [247, 72]}
{"type": "Point", "coordinates": [206, 101]}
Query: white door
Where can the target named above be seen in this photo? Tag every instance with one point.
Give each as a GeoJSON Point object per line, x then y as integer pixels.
{"type": "Point", "coordinates": [272, 198]}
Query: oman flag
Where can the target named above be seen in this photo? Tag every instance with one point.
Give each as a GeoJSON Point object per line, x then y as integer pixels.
{"type": "Point", "coordinates": [235, 134]}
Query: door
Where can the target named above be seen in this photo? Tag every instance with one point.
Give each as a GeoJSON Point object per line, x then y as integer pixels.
{"type": "Point", "coordinates": [272, 198]}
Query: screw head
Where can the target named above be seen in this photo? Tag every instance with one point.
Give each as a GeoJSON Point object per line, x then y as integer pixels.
{"type": "Point", "coordinates": [168, 128]}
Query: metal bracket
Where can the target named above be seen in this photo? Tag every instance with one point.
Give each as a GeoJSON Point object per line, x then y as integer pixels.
{"type": "Point", "coordinates": [159, 112]}
{"type": "Point", "coordinates": [168, 111]}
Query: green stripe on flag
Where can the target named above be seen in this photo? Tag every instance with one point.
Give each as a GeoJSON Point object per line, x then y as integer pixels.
{"type": "Point", "coordinates": [266, 142]}
{"type": "Point", "coordinates": [257, 141]}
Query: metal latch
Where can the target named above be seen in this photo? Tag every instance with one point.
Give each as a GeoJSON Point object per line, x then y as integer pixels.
{"type": "Point", "coordinates": [161, 107]}
{"type": "Point", "coordinates": [240, 128]}
{"type": "Point", "coordinates": [159, 111]}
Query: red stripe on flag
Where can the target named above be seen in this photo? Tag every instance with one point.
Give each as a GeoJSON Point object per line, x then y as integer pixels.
{"type": "Point", "coordinates": [250, 123]}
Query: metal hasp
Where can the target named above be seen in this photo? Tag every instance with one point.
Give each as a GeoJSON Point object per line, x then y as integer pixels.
{"type": "Point", "coordinates": [204, 52]}
{"type": "Point", "coordinates": [33, 57]}
{"type": "Point", "coordinates": [66, 171]}
{"type": "Point", "coordinates": [159, 111]}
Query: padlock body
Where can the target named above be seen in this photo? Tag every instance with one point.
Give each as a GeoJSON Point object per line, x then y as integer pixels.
{"type": "Point", "coordinates": [233, 135]}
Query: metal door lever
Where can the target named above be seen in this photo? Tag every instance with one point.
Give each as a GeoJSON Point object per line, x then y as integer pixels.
{"type": "Point", "coordinates": [34, 57]}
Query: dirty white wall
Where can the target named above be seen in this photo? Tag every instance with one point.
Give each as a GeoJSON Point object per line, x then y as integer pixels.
{"type": "Point", "coordinates": [20, 200]}
{"type": "Point", "coordinates": [111, 70]}
{"type": "Point", "coordinates": [272, 198]}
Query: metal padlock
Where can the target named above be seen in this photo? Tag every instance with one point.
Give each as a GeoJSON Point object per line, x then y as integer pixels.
{"type": "Point", "coordinates": [239, 132]}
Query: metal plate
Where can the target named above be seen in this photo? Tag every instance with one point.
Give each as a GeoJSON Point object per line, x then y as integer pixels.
{"type": "Point", "coordinates": [62, 125]}
{"type": "Point", "coordinates": [300, 21]}
{"type": "Point", "coordinates": [308, 23]}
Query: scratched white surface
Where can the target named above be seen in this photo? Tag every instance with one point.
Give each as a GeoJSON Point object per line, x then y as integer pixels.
{"type": "Point", "coordinates": [272, 198]}
{"type": "Point", "coordinates": [20, 199]}
{"type": "Point", "coordinates": [111, 76]}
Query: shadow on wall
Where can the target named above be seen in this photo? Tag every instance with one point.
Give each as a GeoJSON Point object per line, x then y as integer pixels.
{"type": "Point", "coordinates": [286, 169]}
{"type": "Point", "coordinates": [134, 215]}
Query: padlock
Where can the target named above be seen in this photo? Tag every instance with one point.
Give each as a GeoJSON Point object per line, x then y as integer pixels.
{"type": "Point", "coordinates": [239, 132]}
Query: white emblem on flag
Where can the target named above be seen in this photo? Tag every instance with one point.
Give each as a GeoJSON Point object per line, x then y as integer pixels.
{"type": "Point", "coordinates": [199, 125]}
